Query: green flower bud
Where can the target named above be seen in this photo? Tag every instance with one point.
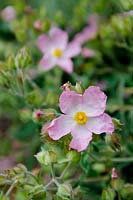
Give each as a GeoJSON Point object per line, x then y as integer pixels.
{"type": "Point", "coordinates": [118, 125]}
{"type": "Point", "coordinates": [64, 190]}
{"type": "Point", "coordinates": [43, 158]}
{"type": "Point", "coordinates": [46, 157]}
{"type": "Point", "coordinates": [49, 114]}
{"type": "Point", "coordinates": [113, 140]}
{"type": "Point", "coordinates": [79, 89]}
{"type": "Point", "coordinates": [22, 58]}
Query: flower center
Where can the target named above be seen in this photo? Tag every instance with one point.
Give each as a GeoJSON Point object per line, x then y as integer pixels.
{"type": "Point", "coordinates": [80, 118]}
{"type": "Point", "coordinates": [57, 53]}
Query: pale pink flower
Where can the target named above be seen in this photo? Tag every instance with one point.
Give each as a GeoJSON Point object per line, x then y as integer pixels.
{"type": "Point", "coordinates": [57, 50]}
{"type": "Point", "coordinates": [8, 14]}
{"type": "Point", "coordinates": [83, 115]}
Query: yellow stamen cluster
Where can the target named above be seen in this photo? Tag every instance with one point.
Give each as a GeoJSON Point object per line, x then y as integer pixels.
{"type": "Point", "coordinates": [81, 118]}
{"type": "Point", "coordinates": [57, 53]}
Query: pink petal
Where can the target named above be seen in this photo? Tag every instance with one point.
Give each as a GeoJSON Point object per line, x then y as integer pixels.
{"type": "Point", "coordinates": [100, 124]}
{"type": "Point", "coordinates": [94, 101]}
{"type": "Point", "coordinates": [87, 53]}
{"type": "Point", "coordinates": [83, 36]}
{"type": "Point", "coordinates": [43, 43]}
{"type": "Point", "coordinates": [89, 32]}
{"type": "Point", "coordinates": [60, 126]}
{"type": "Point", "coordinates": [59, 38]}
{"type": "Point", "coordinates": [47, 62]}
{"type": "Point", "coordinates": [81, 138]}
{"type": "Point", "coordinates": [69, 102]}
{"type": "Point", "coordinates": [72, 50]}
{"type": "Point", "coordinates": [66, 64]}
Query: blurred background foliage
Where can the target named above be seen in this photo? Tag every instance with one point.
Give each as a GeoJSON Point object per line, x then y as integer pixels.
{"type": "Point", "coordinates": [111, 69]}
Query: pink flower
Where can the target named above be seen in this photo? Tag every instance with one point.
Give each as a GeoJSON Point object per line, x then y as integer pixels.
{"type": "Point", "coordinates": [8, 13]}
{"type": "Point", "coordinates": [57, 50]}
{"type": "Point", "coordinates": [83, 115]}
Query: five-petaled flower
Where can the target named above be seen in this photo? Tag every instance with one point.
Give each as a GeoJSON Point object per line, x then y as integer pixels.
{"type": "Point", "coordinates": [83, 115]}
{"type": "Point", "coordinates": [57, 50]}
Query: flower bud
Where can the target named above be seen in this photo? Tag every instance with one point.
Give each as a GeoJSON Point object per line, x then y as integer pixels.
{"type": "Point", "coordinates": [118, 125]}
{"type": "Point", "coordinates": [38, 25]}
{"type": "Point", "coordinates": [38, 115]}
{"type": "Point", "coordinates": [43, 157]}
{"type": "Point", "coordinates": [22, 58]}
{"type": "Point", "coordinates": [49, 114]}
{"type": "Point", "coordinates": [79, 89]}
{"type": "Point", "coordinates": [46, 157]}
{"type": "Point", "coordinates": [114, 141]}
{"type": "Point", "coordinates": [64, 190]}
{"type": "Point", "coordinates": [66, 86]}
{"type": "Point", "coordinates": [114, 174]}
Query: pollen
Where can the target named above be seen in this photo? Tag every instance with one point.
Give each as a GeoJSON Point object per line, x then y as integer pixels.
{"type": "Point", "coordinates": [80, 118]}
{"type": "Point", "coordinates": [57, 53]}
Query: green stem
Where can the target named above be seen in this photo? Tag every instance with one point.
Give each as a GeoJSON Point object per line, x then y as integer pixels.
{"type": "Point", "coordinates": [11, 188]}
{"type": "Point", "coordinates": [48, 184]}
{"type": "Point", "coordinates": [64, 171]}
{"type": "Point", "coordinates": [130, 159]}
{"type": "Point", "coordinates": [52, 171]}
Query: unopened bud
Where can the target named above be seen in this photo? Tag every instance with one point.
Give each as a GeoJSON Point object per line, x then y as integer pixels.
{"type": "Point", "coordinates": [46, 157]}
{"type": "Point", "coordinates": [79, 89]}
{"type": "Point", "coordinates": [38, 115]}
{"type": "Point", "coordinates": [38, 25]}
{"type": "Point", "coordinates": [64, 190]}
{"type": "Point", "coordinates": [114, 174]}
{"type": "Point", "coordinates": [66, 86]}
{"type": "Point", "coordinates": [22, 58]}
